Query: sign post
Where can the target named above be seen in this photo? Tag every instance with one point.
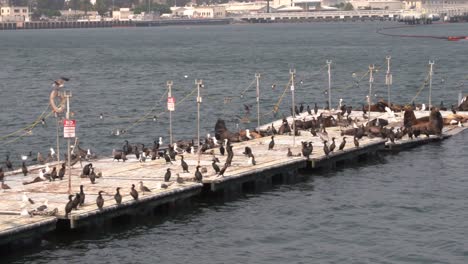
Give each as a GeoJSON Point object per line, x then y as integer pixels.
{"type": "Point", "coordinates": [69, 132]}
{"type": "Point", "coordinates": [170, 107]}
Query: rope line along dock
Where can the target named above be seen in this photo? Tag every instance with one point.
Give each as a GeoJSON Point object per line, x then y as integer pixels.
{"type": "Point", "coordinates": [271, 166]}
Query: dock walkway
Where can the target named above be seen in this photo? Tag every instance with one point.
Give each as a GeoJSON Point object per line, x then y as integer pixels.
{"type": "Point", "coordinates": [272, 166]}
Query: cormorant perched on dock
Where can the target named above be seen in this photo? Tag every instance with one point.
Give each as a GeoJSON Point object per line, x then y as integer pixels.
{"type": "Point", "coordinates": [92, 176]}
{"type": "Point", "coordinates": [296, 110]}
{"type": "Point", "coordinates": [307, 149]}
{"type": "Point", "coordinates": [289, 153]}
{"type": "Point", "coordinates": [127, 148]}
{"type": "Point", "coordinates": [2, 174]}
{"type": "Point", "coordinates": [326, 150]}
{"type": "Point", "coordinates": [273, 129]}
{"type": "Point", "coordinates": [53, 174]}
{"type": "Point", "coordinates": [272, 143]}
{"type": "Point", "coordinates": [301, 108]}
{"type": "Point", "coordinates": [167, 176]}
{"type": "Point", "coordinates": [215, 166]}
{"type": "Point", "coordinates": [315, 108]}
{"type": "Point", "coordinates": [356, 142]}
{"type": "Point", "coordinates": [172, 152]}
{"type": "Point", "coordinates": [332, 145]}
{"type": "Point", "coordinates": [198, 175]}
{"type": "Point", "coordinates": [183, 164]}
{"type": "Point", "coordinates": [223, 170]}
{"type": "Point", "coordinates": [308, 110]}
{"type": "Point", "coordinates": [69, 206]}
{"type": "Point", "coordinates": [167, 158]}
{"type": "Point", "coordinates": [143, 188]}
{"type": "Point", "coordinates": [343, 143]}
{"type": "Point", "coordinates": [24, 169]}
{"type": "Point", "coordinates": [247, 151]}
{"type": "Point", "coordinates": [76, 201]}
{"type": "Point", "coordinates": [87, 169]}
{"type": "Point", "coordinates": [61, 172]}
{"type": "Point", "coordinates": [82, 195]}
{"type": "Point", "coordinates": [8, 162]}
{"type": "Point", "coordinates": [117, 196]}
{"type": "Point", "coordinates": [100, 200]}
{"type": "Point", "coordinates": [134, 192]}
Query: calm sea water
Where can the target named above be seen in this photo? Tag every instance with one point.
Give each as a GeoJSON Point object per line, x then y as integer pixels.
{"type": "Point", "coordinates": [406, 208]}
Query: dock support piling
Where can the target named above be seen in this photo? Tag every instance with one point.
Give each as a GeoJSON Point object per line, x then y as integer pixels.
{"type": "Point", "coordinates": [292, 72]}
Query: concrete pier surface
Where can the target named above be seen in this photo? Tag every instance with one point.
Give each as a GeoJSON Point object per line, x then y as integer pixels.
{"type": "Point", "coordinates": [271, 166]}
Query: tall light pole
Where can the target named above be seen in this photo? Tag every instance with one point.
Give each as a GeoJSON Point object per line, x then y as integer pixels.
{"type": "Point", "coordinates": [199, 84]}
{"type": "Point", "coordinates": [67, 96]}
{"type": "Point", "coordinates": [388, 79]}
{"type": "Point", "coordinates": [371, 80]}
{"type": "Point", "coordinates": [58, 138]}
{"type": "Point", "coordinates": [292, 72]}
{"type": "Point", "coordinates": [431, 63]}
{"type": "Point", "coordinates": [169, 97]}
{"type": "Point", "coordinates": [257, 76]}
{"type": "Point", "coordinates": [329, 84]}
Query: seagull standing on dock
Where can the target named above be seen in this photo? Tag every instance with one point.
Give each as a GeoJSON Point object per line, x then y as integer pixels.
{"type": "Point", "coordinates": [143, 188]}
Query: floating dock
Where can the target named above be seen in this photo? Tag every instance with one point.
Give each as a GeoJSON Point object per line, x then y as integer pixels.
{"type": "Point", "coordinates": [273, 166]}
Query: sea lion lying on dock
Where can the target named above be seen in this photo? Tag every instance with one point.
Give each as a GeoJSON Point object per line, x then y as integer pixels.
{"type": "Point", "coordinates": [431, 125]}
{"type": "Point", "coordinates": [221, 132]}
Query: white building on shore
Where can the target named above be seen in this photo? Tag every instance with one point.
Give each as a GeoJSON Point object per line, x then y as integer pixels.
{"type": "Point", "coordinates": [14, 14]}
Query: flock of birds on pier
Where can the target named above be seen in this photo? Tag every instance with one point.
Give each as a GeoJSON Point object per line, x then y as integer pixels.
{"type": "Point", "coordinates": [307, 120]}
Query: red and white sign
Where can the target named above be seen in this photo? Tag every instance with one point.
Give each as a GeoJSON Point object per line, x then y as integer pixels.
{"type": "Point", "coordinates": [69, 126]}
{"type": "Point", "coordinates": [171, 103]}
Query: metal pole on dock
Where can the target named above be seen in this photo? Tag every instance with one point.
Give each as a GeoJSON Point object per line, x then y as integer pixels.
{"type": "Point", "coordinates": [292, 72]}
{"type": "Point", "coordinates": [431, 63]}
{"type": "Point", "coordinates": [169, 95]}
{"type": "Point", "coordinates": [371, 80]}
{"type": "Point", "coordinates": [58, 138]}
{"type": "Point", "coordinates": [68, 95]}
{"type": "Point", "coordinates": [199, 84]}
{"type": "Point", "coordinates": [388, 79]}
{"type": "Point", "coordinates": [329, 84]}
{"type": "Point", "coordinates": [257, 76]}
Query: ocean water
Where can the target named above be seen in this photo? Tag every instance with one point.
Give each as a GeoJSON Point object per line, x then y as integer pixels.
{"type": "Point", "coordinates": [406, 208]}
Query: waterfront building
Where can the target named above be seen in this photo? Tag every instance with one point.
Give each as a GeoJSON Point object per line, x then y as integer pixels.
{"type": "Point", "coordinates": [14, 14]}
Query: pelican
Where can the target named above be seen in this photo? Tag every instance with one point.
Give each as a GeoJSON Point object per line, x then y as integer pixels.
{"type": "Point", "coordinates": [60, 82]}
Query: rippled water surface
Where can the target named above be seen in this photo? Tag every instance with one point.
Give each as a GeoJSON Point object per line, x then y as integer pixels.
{"type": "Point", "coordinates": [406, 208]}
